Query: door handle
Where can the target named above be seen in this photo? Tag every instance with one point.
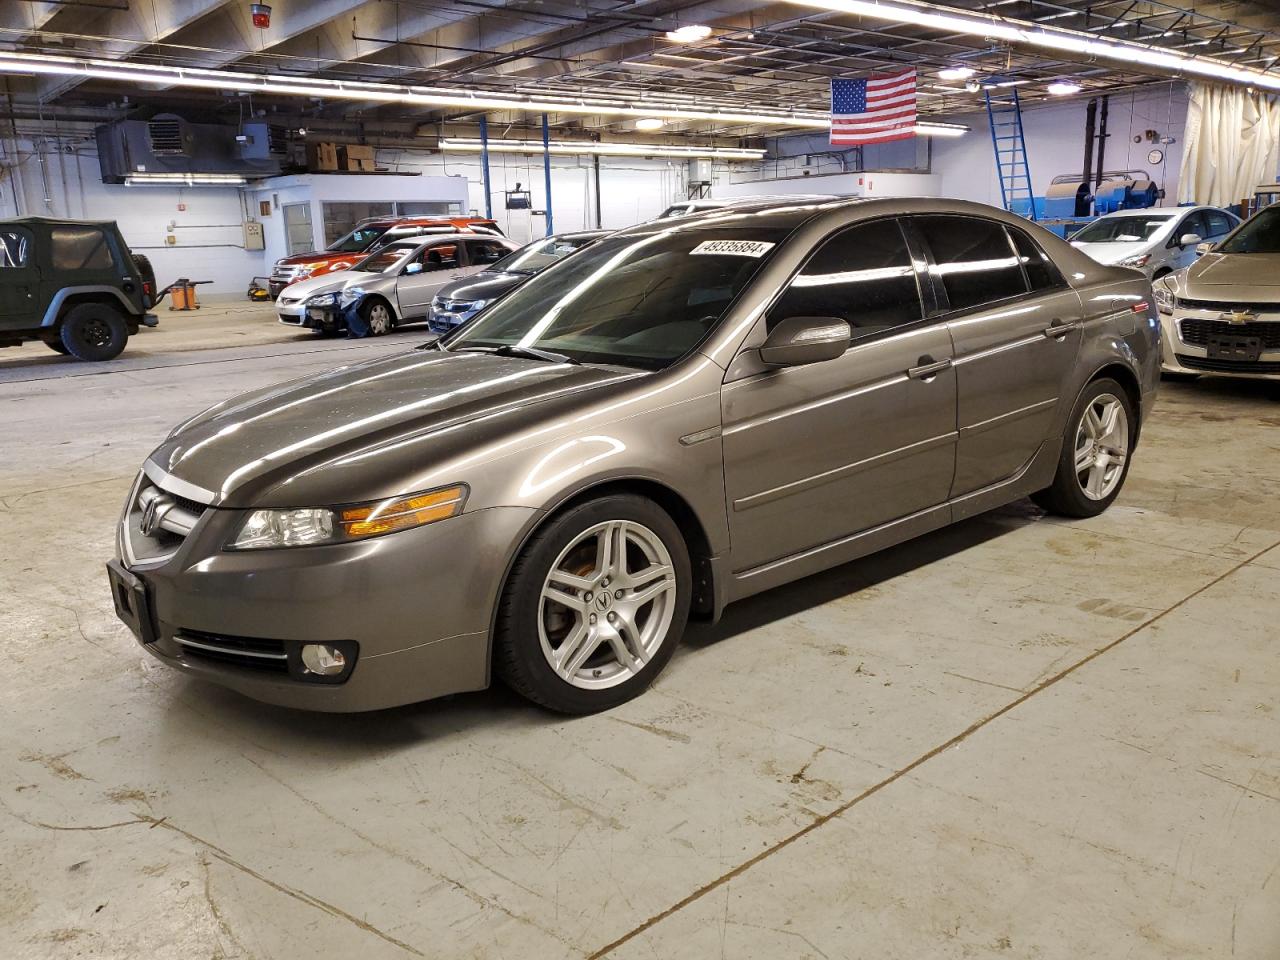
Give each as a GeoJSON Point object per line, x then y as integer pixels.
{"type": "Point", "coordinates": [927, 368]}
{"type": "Point", "coordinates": [1060, 328]}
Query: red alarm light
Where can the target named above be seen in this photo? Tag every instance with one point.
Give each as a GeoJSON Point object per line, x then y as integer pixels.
{"type": "Point", "coordinates": [261, 13]}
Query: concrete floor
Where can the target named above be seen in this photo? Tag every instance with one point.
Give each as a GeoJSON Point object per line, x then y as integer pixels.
{"type": "Point", "coordinates": [1016, 738]}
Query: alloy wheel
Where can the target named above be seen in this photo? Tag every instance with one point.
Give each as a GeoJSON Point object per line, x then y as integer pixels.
{"type": "Point", "coordinates": [1102, 446]}
{"type": "Point", "coordinates": [607, 604]}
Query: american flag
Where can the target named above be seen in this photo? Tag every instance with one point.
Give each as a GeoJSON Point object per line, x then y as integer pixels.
{"type": "Point", "coordinates": [874, 110]}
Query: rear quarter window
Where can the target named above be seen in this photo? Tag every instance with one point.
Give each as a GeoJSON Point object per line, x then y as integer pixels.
{"type": "Point", "coordinates": [80, 248]}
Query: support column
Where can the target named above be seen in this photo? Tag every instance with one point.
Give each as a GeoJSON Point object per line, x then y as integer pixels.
{"type": "Point", "coordinates": [484, 165]}
{"type": "Point", "coordinates": [546, 169]}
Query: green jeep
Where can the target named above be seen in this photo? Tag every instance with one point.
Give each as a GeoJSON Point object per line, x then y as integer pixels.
{"type": "Point", "coordinates": [73, 284]}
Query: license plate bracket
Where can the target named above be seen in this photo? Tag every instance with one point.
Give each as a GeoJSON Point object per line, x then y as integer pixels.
{"type": "Point", "coordinates": [1239, 348]}
{"type": "Point", "coordinates": [133, 606]}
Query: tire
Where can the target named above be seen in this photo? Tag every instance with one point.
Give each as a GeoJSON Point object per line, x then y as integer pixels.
{"type": "Point", "coordinates": [148, 274]}
{"type": "Point", "coordinates": [622, 645]}
{"type": "Point", "coordinates": [378, 315]}
{"type": "Point", "coordinates": [1087, 480]}
{"type": "Point", "coordinates": [56, 346]}
{"type": "Point", "coordinates": [94, 331]}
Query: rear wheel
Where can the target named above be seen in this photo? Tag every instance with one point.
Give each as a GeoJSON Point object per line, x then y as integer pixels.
{"type": "Point", "coordinates": [94, 331]}
{"type": "Point", "coordinates": [1095, 452]}
{"type": "Point", "coordinates": [378, 315]}
{"type": "Point", "coordinates": [594, 606]}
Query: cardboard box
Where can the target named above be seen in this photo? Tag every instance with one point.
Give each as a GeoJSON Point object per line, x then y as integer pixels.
{"type": "Point", "coordinates": [322, 156]}
{"type": "Point", "coordinates": [356, 157]}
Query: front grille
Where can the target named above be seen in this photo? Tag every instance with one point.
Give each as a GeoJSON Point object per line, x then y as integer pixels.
{"type": "Point", "coordinates": [1228, 306]}
{"type": "Point", "coordinates": [452, 306]}
{"type": "Point", "coordinates": [1198, 332]}
{"type": "Point", "coordinates": [1229, 366]}
{"type": "Point", "coordinates": [158, 521]}
{"type": "Point", "coordinates": [252, 653]}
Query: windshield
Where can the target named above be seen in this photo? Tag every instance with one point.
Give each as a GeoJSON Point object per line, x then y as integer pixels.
{"type": "Point", "coordinates": [357, 241]}
{"type": "Point", "coordinates": [641, 300]}
{"type": "Point", "coordinates": [386, 257]}
{"type": "Point", "coordinates": [540, 254]}
{"type": "Point", "coordinates": [1123, 229]}
{"type": "Point", "coordinates": [1261, 234]}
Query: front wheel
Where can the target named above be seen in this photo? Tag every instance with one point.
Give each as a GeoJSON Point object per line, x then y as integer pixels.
{"type": "Point", "coordinates": [594, 606]}
{"type": "Point", "coordinates": [1095, 452]}
{"type": "Point", "coordinates": [378, 316]}
{"type": "Point", "coordinates": [94, 331]}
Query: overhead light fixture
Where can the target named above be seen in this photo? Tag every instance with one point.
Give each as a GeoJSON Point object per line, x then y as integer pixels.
{"type": "Point", "coordinates": [1063, 88]}
{"type": "Point", "coordinates": [689, 34]}
{"type": "Point", "coordinates": [452, 97]}
{"type": "Point", "coordinates": [185, 179]}
{"type": "Point", "coordinates": [650, 123]}
{"type": "Point", "coordinates": [592, 147]}
{"type": "Point", "coordinates": [956, 73]}
{"type": "Point", "coordinates": [933, 128]}
{"type": "Point", "coordinates": [1058, 39]}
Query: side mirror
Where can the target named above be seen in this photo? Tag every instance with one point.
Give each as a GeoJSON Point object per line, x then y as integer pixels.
{"type": "Point", "coordinates": [1187, 239]}
{"type": "Point", "coordinates": [413, 268]}
{"type": "Point", "coordinates": [797, 341]}
{"type": "Point", "coordinates": [1203, 248]}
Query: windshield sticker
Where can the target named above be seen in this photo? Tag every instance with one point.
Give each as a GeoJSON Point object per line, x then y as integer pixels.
{"type": "Point", "coordinates": [732, 248]}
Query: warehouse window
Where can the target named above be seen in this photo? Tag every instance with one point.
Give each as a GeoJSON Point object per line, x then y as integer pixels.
{"type": "Point", "coordinates": [973, 259]}
{"type": "Point", "coordinates": [341, 218]}
{"type": "Point", "coordinates": [428, 208]}
{"type": "Point", "coordinates": [80, 248]}
{"type": "Point", "coordinates": [863, 275]}
{"type": "Point", "coordinates": [15, 248]}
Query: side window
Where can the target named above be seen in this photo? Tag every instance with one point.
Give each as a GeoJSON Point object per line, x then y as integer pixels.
{"type": "Point", "coordinates": [1193, 224]}
{"type": "Point", "coordinates": [1219, 224]}
{"type": "Point", "coordinates": [442, 256]}
{"type": "Point", "coordinates": [15, 249]}
{"type": "Point", "coordinates": [973, 259]}
{"type": "Point", "coordinates": [1041, 271]}
{"type": "Point", "coordinates": [485, 251]}
{"type": "Point", "coordinates": [862, 275]}
{"type": "Point", "coordinates": [80, 248]}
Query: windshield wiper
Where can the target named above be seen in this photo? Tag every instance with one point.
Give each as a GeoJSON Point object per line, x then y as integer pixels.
{"type": "Point", "coordinates": [527, 353]}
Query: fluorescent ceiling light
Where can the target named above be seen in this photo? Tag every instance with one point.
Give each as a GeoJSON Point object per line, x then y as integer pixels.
{"type": "Point", "coordinates": [589, 147]}
{"type": "Point", "coordinates": [1063, 89]}
{"type": "Point", "coordinates": [650, 123]}
{"type": "Point", "coordinates": [198, 78]}
{"type": "Point", "coordinates": [189, 179]}
{"type": "Point", "coordinates": [690, 34]}
{"type": "Point", "coordinates": [930, 128]}
{"type": "Point", "coordinates": [1060, 39]}
{"type": "Point", "coordinates": [956, 73]}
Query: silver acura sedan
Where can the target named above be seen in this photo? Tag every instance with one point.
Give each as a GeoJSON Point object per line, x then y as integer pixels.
{"type": "Point", "coordinates": [686, 413]}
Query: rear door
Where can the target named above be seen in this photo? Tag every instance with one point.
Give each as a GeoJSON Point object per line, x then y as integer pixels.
{"type": "Point", "coordinates": [19, 280]}
{"type": "Point", "coordinates": [1017, 327]}
{"type": "Point", "coordinates": [819, 452]}
{"type": "Point", "coordinates": [440, 265]}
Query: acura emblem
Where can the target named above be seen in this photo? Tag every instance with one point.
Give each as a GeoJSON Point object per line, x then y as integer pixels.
{"type": "Point", "coordinates": [153, 511]}
{"type": "Point", "coordinates": [1239, 316]}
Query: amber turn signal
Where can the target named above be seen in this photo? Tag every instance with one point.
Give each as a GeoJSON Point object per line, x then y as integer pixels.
{"type": "Point", "coordinates": [387, 516]}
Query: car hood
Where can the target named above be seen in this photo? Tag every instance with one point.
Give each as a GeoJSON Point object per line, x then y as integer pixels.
{"type": "Point", "coordinates": [312, 256]}
{"type": "Point", "coordinates": [482, 286]}
{"type": "Point", "coordinates": [1112, 252]}
{"type": "Point", "coordinates": [327, 283]}
{"type": "Point", "coordinates": [344, 435]}
{"type": "Point", "coordinates": [1252, 276]}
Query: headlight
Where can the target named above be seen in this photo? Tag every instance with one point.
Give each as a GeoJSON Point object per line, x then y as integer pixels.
{"type": "Point", "coordinates": [1141, 260]}
{"type": "Point", "coordinates": [1165, 299]}
{"type": "Point", "coordinates": [303, 268]}
{"type": "Point", "coordinates": [322, 300]}
{"type": "Point", "coordinates": [475, 305]}
{"type": "Point", "coordinates": [310, 526]}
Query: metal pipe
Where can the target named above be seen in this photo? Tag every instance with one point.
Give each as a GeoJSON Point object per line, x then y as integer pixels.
{"type": "Point", "coordinates": [546, 169]}
{"type": "Point", "coordinates": [1102, 138]}
{"type": "Point", "coordinates": [596, 164]}
{"type": "Point", "coordinates": [1090, 132]}
{"type": "Point", "coordinates": [484, 165]}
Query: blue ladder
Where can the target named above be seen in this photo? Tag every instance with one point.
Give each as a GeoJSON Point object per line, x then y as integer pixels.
{"type": "Point", "coordinates": [1004, 113]}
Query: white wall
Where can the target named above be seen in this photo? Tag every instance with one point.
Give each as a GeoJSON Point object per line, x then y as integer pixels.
{"type": "Point", "coordinates": [1055, 143]}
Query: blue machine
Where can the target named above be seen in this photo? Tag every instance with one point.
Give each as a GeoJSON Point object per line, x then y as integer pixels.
{"type": "Point", "coordinates": [1068, 205]}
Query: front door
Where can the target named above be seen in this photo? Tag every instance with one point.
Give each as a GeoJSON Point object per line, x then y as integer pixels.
{"type": "Point", "coordinates": [819, 452]}
{"type": "Point", "coordinates": [1017, 327]}
{"type": "Point", "coordinates": [19, 280]}
{"type": "Point", "coordinates": [439, 264]}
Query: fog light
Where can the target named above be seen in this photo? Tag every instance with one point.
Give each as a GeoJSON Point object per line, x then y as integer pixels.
{"type": "Point", "coordinates": [322, 659]}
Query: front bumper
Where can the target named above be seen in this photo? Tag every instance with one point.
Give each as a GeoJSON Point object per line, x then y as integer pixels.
{"type": "Point", "coordinates": [442, 321]}
{"type": "Point", "coordinates": [310, 318]}
{"type": "Point", "coordinates": [1180, 354]}
{"type": "Point", "coordinates": [416, 607]}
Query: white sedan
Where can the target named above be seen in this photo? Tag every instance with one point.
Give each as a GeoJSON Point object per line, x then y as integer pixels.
{"type": "Point", "coordinates": [1158, 240]}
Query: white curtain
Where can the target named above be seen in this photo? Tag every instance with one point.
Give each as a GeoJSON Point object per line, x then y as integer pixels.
{"type": "Point", "coordinates": [1232, 144]}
